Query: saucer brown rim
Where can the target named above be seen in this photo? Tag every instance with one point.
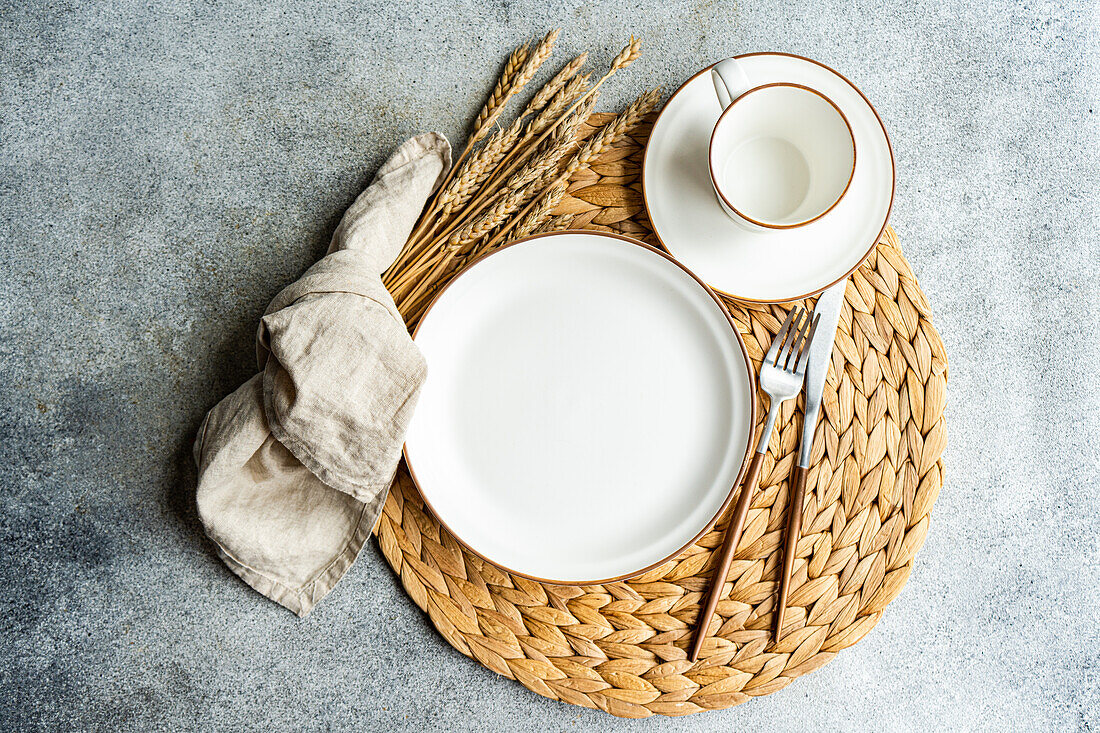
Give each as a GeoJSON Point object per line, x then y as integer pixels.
{"type": "Point", "coordinates": [752, 408]}
{"type": "Point", "coordinates": [889, 147]}
{"type": "Point", "coordinates": [743, 215]}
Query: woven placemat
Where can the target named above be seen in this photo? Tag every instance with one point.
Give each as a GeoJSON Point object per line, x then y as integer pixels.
{"type": "Point", "coordinates": [876, 472]}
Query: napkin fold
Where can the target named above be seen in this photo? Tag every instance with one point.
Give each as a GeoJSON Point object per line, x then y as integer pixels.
{"type": "Point", "coordinates": [293, 467]}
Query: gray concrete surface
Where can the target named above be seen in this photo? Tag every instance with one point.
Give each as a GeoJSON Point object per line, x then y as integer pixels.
{"type": "Point", "coordinates": [165, 168]}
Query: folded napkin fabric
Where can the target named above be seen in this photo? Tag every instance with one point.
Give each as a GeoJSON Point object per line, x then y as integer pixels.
{"type": "Point", "coordinates": [294, 466]}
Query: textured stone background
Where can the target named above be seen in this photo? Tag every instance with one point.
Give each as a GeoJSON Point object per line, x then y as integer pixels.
{"type": "Point", "coordinates": [165, 168]}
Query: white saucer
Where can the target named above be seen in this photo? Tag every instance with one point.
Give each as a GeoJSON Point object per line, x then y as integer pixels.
{"type": "Point", "coordinates": [588, 408]}
{"type": "Point", "coordinates": [763, 265]}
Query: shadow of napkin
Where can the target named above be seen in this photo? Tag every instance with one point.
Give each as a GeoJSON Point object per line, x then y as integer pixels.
{"type": "Point", "coordinates": [293, 467]}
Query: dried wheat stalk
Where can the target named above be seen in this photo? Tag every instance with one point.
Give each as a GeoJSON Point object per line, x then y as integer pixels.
{"type": "Point", "coordinates": [563, 98]}
{"type": "Point", "coordinates": [550, 152]}
{"type": "Point", "coordinates": [519, 153]}
{"type": "Point", "coordinates": [466, 183]}
{"type": "Point", "coordinates": [509, 179]}
{"type": "Point", "coordinates": [502, 92]}
{"type": "Point", "coordinates": [538, 57]}
{"type": "Point", "coordinates": [477, 169]}
{"type": "Point", "coordinates": [539, 217]}
{"type": "Point", "coordinates": [459, 242]}
{"type": "Point", "coordinates": [551, 88]}
{"type": "Point", "coordinates": [604, 139]}
{"type": "Point", "coordinates": [490, 111]}
{"type": "Point", "coordinates": [544, 165]}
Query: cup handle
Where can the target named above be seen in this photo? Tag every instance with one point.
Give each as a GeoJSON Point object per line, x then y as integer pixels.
{"type": "Point", "coordinates": [729, 80]}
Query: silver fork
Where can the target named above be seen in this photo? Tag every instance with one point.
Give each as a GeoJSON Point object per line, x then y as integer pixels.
{"type": "Point", "coordinates": [781, 378]}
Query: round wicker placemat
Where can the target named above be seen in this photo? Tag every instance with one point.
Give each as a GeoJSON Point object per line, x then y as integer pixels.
{"type": "Point", "coordinates": [621, 647]}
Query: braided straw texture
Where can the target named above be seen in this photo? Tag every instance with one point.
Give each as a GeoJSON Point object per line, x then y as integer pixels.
{"type": "Point", "coordinates": [876, 472]}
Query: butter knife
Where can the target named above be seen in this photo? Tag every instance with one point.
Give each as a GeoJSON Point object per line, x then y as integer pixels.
{"type": "Point", "coordinates": [821, 352]}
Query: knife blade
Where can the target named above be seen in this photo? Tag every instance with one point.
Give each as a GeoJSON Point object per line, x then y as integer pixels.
{"type": "Point", "coordinates": [821, 352]}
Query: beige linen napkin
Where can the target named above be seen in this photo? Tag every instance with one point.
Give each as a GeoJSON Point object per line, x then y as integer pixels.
{"type": "Point", "coordinates": [294, 466]}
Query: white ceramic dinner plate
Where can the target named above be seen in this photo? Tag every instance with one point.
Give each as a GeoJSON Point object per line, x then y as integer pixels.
{"type": "Point", "coordinates": [747, 263]}
{"type": "Point", "coordinates": [587, 410]}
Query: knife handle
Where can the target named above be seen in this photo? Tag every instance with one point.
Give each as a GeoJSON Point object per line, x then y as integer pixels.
{"type": "Point", "coordinates": [794, 528]}
{"type": "Point", "coordinates": [729, 546]}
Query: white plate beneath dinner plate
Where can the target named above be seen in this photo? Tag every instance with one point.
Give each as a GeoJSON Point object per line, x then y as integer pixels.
{"type": "Point", "coordinates": [759, 265]}
{"type": "Point", "coordinates": [587, 410]}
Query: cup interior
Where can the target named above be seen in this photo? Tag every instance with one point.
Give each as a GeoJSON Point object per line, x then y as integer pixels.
{"type": "Point", "coordinates": [782, 155]}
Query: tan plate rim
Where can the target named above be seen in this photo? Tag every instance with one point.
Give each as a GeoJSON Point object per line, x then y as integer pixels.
{"type": "Point", "coordinates": [752, 409]}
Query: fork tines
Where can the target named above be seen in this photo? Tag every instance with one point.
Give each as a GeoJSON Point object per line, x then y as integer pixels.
{"type": "Point", "coordinates": [790, 349]}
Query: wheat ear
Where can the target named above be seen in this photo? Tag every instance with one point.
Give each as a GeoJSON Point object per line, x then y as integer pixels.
{"type": "Point", "coordinates": [538, 216]}
{"type": "Point", "coordinates": [565, 96]}
{"type": "Point", "coordinates": [543, 160]}
{"type": "Point", "coordinates": [557, 223]}
{"type": "Point", "coordinates": [600, 142]}
{"type": "Point", "coordinates": [538, 57]}
{"type": "Point", "coordinates": [502, 92]}
{"type": "Point", "coordinates": [550, 89]}
{"type": "Point", "coordinates": [624, 59]}
{"type": "Point", "coordinates": [550, 152]}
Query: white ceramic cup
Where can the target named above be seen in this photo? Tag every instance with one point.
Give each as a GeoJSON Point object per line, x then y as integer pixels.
{"type": "Point", "coordinates": [781, 155]}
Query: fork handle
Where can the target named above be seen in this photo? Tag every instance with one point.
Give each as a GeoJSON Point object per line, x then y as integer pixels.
{"type": "Point", "coordinates": [729, 546]}
{"type": "Point", "coordinates": [794, 527]}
